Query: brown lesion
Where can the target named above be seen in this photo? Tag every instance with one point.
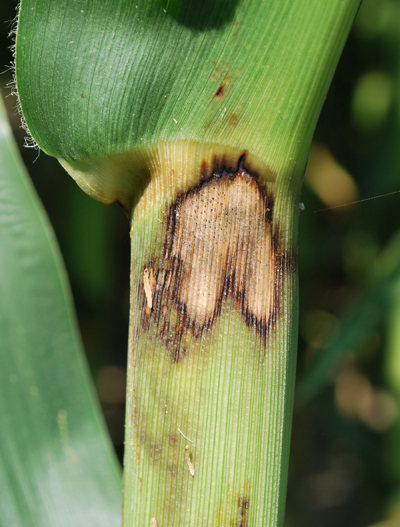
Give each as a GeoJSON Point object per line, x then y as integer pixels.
{"type": "Point", "coordinates": [243, 506]}
{"type": "Point", "coordinates": [220, 92]}
{"type": "Point", "coordinates": [220, 244]}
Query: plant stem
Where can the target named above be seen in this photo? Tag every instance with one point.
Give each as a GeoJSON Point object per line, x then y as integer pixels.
{"type": "Point", "coordinates": [213, 359]}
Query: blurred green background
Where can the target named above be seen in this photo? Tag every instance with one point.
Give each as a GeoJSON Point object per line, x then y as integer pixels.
{"type": "Point", "coordinates": [345, 464]}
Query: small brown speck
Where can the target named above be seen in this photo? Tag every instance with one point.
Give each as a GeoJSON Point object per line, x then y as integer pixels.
{"type": "Point", "coordinates": [220, 92]}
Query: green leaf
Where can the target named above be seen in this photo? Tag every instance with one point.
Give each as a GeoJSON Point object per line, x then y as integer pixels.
{"type": "Point", "coordinates": [57, 466]}
{"type": "Point", "coordinates": [99, 79]}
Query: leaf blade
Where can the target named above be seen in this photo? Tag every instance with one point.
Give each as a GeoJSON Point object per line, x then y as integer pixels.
{"type": "Point", "coordinates": [56, 463]}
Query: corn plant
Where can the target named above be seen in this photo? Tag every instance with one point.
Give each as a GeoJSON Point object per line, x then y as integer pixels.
{"type": "Point", "coordinates": [196, 118]}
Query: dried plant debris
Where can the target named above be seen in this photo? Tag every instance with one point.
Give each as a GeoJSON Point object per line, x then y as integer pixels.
{"type": "Point", "coordinates": [189, 463]}
{"type": "Point", "coordinates": [148, 282]}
